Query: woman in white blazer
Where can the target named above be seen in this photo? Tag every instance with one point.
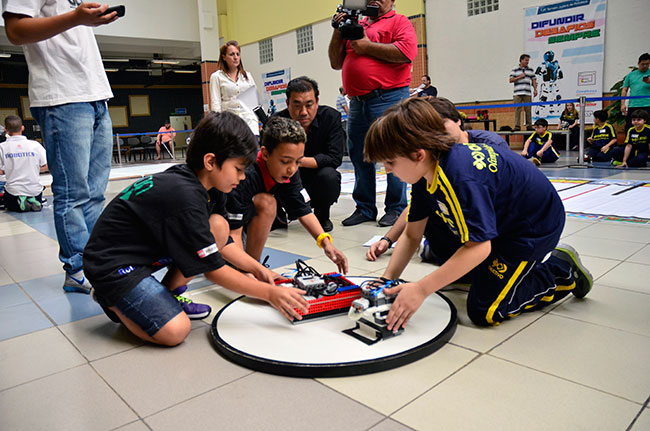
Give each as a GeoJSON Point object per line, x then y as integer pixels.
{"type": "Point", "coordinates": [227, 83]}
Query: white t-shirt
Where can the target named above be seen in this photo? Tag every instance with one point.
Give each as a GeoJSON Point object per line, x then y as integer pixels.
{"type": "Point", "coordinates": [223, 97]}
{"type": "Point", "coordinates": [66, 68]}
{"type": "Point", "coordinates": [21, 159]}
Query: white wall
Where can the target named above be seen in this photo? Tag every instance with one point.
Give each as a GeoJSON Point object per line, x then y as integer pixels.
{"type": "Point", "coordinates": [314, 64]}
{"type": "Point", "coordinates": [469, 58]}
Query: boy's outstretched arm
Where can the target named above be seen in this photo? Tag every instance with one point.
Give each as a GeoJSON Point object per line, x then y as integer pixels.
{"type": "Point", "coordinates": [312, 225]}
{"type": "Point", "coordinates": [236, 255]}
{"type": "Point", "coordinates": [381, 246]}
{"type": "Point", "coordinates": [405, 248]}
{"type": "Point", "coordinates": [411, 295]}
{"type": "Point", "coordinates": [23, 29]}
{"type": "Point", "coordinates": [283, 299]}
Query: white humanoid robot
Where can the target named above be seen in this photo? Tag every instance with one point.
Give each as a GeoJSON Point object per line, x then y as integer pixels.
{"type": "Point", "coordinates": [549, 72]}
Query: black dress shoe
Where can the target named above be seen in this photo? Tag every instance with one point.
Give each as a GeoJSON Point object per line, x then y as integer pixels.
{"type": "Point", "coordinates": [356, 218]}
{"type": "Point", "coordinates": [326, 225]}
{"type": "Point", "coordinates": [389, 218]}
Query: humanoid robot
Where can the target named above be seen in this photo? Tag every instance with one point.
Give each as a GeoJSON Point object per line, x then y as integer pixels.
{"type": "Point", "coordinates": [549, 72]}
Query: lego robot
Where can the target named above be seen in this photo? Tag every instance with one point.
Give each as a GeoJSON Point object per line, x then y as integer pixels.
{"type": "Point", "coordinates": [370, 311]}
{"type": "Point", "coordinates": [549, 72]}
{"type": "Point", "coordinates": [327, 294]}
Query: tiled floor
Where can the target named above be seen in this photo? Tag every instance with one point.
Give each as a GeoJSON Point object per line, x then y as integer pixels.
{"type": "Point", "coordinates": [580, 365]}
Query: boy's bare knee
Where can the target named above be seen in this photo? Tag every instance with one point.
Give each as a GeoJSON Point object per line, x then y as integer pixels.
{"type": "Point", "coordinates": [265, 204]}
{"type": "Point", "coordinates": [220, 229]}
{"type": "Point", "coordinates": [174, 332]}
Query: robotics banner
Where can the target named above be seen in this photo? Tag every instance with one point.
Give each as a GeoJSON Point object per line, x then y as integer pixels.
{"type": "Point", "coordinates": [566, 44]}
{"type": "Point", "coordinates": [275, 89]}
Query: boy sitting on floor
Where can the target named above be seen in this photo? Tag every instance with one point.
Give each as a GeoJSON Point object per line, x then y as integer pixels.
{"type": "Point", "coordinates": [274, 175]}
{"type": "Point", "coordinates": [539, 146]}
{"type": "Point", "coordinates": [637, 143]}
{"type": "Point", "coordinates": [21, 160]}
{"type": "Point", "coordinates": [603, 137]}
{"type": "Point", "coordinates": [176, 217]}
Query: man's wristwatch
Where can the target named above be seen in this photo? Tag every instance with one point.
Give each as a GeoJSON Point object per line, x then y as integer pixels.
{"type": "Point", "coordinates": [388, 240]}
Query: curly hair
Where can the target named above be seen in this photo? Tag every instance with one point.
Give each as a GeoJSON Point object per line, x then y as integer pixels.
{"type": "Point", "coordinates": [280, 130]}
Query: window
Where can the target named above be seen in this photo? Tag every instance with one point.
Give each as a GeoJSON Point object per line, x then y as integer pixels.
{"type": "Point", "coordinates": [476, 7]}
{"type": "Point", "coordinates": [266, 51]}
{"type": "Point", "coordinates": [304, 39]}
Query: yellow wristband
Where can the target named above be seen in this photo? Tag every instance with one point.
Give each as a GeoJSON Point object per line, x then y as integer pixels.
{"type": "Point", "coordinates": [321, 237]}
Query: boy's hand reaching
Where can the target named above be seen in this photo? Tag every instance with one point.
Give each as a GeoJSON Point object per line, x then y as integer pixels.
{"type": "Point", "coordinates": [90, 14]}
{"type": "Point", "coordinates": [336, 256]}
{"type": "Point", "coordinates": [410, 298]}
{"type": "Point", "coordinates": [376, 250]}
{"type": "Point", "coordinates": [285, 299]}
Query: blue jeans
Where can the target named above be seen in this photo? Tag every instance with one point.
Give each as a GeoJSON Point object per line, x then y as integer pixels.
{"type": "Point", "coordinates": [78, 141]}
{"type": "Point", "coordinates": [360, 116]}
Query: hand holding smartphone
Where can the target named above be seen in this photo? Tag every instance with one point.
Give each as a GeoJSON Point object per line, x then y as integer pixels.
{"type": "Point", "coordinates": [121, 10]}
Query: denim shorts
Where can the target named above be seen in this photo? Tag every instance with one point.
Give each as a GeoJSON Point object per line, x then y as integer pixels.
{"type": "Point", "coordinates": [149, 305]}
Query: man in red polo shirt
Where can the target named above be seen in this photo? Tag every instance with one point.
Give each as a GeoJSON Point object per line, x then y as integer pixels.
{"type": "Point", "coordinates": [376, 75]}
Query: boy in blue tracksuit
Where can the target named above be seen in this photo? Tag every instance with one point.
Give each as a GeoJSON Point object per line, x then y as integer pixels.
{"type": "Point", "coordinates": [482, 193]}
{"type": "Point", "coordinates": [602, 139]}
{"type": "Point", "coordinates": [539, 146]}
{"type": "Point", "coordinates": [637, 143]}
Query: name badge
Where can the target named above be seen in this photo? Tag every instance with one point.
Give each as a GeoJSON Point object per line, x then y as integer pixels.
{"type": "Point", "coordinates": [205, 252]}
{"type": "Point", "coordinates": [235, 217]}
{"type": "Point", "coordinates": [305, 195]}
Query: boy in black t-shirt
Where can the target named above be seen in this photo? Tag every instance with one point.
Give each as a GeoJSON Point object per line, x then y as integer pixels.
{"type": "Point", "coordinates": [275, 176]}
{"type": "Point", "coordinates": [176, 217]}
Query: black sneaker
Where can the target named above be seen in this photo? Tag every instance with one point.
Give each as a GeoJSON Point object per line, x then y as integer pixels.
{"type": "Point", "coordinates": [582, 277]}
{"type": "Point", "coordinates": [356, 218]}
{"type": "Point", "coordinates": [326, 225]}
{"type": "Point", "coordinates": [388, 219]}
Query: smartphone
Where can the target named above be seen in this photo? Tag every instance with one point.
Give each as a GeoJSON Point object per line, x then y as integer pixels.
{"type": "Point", "coordinates": [121, 10]}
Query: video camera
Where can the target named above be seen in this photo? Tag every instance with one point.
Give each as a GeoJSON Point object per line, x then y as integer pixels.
{"type": "Point", "coordinates": [353, 9]}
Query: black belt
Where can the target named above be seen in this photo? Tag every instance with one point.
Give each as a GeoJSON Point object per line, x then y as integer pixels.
{"type": "Point", "coordinates": [374, 93]}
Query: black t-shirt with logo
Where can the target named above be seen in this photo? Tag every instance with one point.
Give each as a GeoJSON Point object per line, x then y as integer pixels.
{"type": "Point", "coordinates": [159, 219]}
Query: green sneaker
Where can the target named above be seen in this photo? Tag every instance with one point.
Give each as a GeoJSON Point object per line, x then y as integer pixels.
{"type": "Point", "coordinates": [582, 277]}
{"type": "Point", "coordinates": [616, 163]}
{"type": "Point", "coordinates": [34, 204]}
{"type": "Point", "coordinates": [22, 203]}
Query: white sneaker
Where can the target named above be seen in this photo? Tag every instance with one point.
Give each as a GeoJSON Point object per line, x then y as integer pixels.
{"type": "Point", "coordinates": [77, 283]}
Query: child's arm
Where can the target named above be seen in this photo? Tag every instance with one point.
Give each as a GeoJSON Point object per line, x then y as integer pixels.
{"type": "Point", "coordinates": [44, 168]}
{"type": "Point", "coordinates": [626, 155]}
{"type": "Point", "coordinates": [284, 299]}
{"type": "Point", "coordinates": [411, 295]}
{"type": "Point", "coordinates": [22, 29]}
{"type": "Point", "coordinates": [311, 224]}
{"type": "Point", "coordinates": [545, 147]}
{"type": "Point", "coordinates": [609, 144]}
{"type": "Point", "coordinates": [380, 247]}
{"type": "Point", "coordinates": [236, 255]}
{"type": "Point", "coordinates": [524, 152]}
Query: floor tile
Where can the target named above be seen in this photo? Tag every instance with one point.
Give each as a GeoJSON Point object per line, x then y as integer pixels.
{"type": "Point", "coordinates": [389, 425]}
{"type": "Point", "coordinates": [41, 288]}
{"type": "Point", "coordinates": [24, 242]}
{"type": "Point", "coordinates": [134, 426]}
{"type": "Point", "coordinates": [642, 256]}
{"type": "Point", "coordinates": [36, 355]}
{"type": "Point", "coordinates": [615, 308]}
{"type": "Point", "coordinates": [32, 270]}
{"type": "Point", "coordinates": [632, 276]}
{"type": "Point", "coordinates": [606, 359]}
{"type": "Point", "coordinates": [499, 393]}
{"type": "Point", "coordinates": [75, 399]}
{"type": "Point", "coordinates": [406, 383]}
{"type": "Point", "coordinates": [98, 337]}
{"type": "Point", "coordinates": [642, 423]}
{"type": "Point", "coordinates": [617, 231]}
{"type": "Point", "coordinates": [598, 266]}
{"type": "Point", "coordinates": [189, 369]}
{"type": "Point", "coordinates": [5, 278]}
{"type": "Point", "coordinates": [11, 295]}
{"type": "Point", "coordinates": [70, 307]}
{"type": "Point", "coordinates": [279, 403]}
{"type": "Point", "coordinates": [21, 319]}
{"type": "Point", "coordinates": [573, 226]}
{"type": "Point", "coordinates": [605, 248]}
{"type": "Point", "coordinates": [278, 257]}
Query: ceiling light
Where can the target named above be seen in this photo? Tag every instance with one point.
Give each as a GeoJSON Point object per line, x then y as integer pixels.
{"type": "Point", "coordinates": [5, 54]}
{"type": "Point", "coordinates": [165, 61]}
{"type": "Point", "coordinates": [183, 71]}
{"type": "Point", "coordinates": [136, 70]}
{"type": "Point", "coordinates": [111, 69]}
{"type": "Point", "coordinates": [116, 60]}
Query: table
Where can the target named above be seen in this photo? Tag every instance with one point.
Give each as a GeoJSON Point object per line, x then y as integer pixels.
{"type": "Point", "coordinates": [486, 123]}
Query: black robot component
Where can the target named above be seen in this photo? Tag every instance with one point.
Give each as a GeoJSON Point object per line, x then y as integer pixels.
{"type": "Point", "coordinates": [353, 9]}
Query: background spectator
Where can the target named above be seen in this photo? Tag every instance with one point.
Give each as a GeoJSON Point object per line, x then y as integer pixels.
{"type": "Point", "coordinates": [525, 88]}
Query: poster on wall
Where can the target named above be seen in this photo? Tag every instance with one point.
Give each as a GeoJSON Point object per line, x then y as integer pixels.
{"type": "Point", "coordinates": [566, 44]}
{"type": "Point", "coordinates": [275, 88]}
